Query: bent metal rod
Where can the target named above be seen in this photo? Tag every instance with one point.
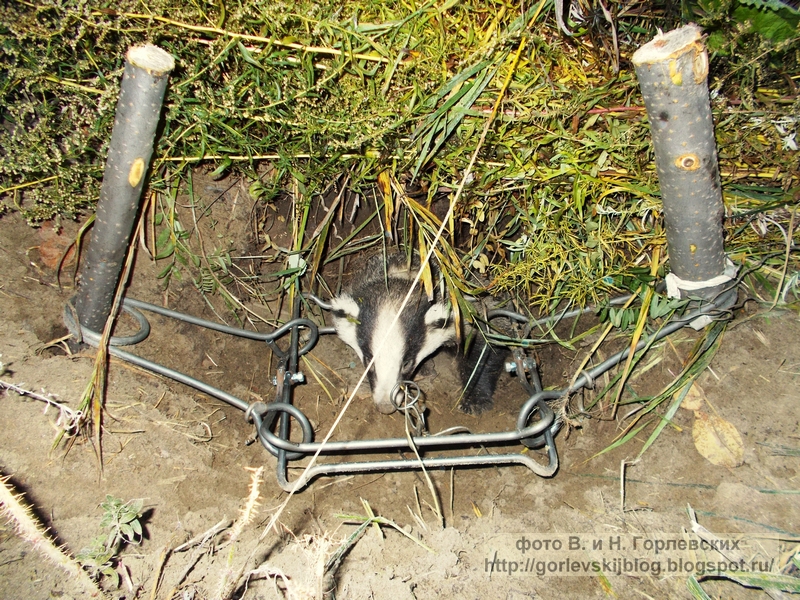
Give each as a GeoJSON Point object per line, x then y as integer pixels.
{"type": "Point", "coordinates": [535, 425]}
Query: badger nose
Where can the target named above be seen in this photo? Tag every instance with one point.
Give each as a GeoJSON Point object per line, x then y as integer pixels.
{"type": "Point", "coordinates": [401, 396]}
{"type": "Point", "coordinates": [396, 398]}
{"type": "Point", "coordinates": [385, 406]}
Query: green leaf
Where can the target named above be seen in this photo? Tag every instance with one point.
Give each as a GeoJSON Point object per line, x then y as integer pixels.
{"type": "Point", "coordinates": [774, 5]}
{"type": "Point", "coordinates": [221, 169]}
{"type": "Point", "coordinates": [112, 574]}
{"type": "Point", "coordinates": [163, 236]}
{"type": "Point", "coordinates": [165, 272]}
{"type": "Point", "coordinates": [168, 250]}
{"type": "Point", "coordinates": [631, 434]}
{"type": "Point", "coordinates": [248, 57]}
{"type": "Point", "coordinates": [694, 587]}
{"type": "Point", "coordinates": [776, 26]}
{"type": "Point", "coordinates": [764, 581]}
{"type": "Point", "coordinates": [667, 418]}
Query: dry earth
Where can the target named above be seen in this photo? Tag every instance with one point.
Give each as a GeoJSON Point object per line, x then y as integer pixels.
{"type": "Point", "coordinates": [188, 457]}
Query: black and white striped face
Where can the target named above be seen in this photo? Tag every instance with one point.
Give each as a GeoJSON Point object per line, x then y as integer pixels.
{"type": "Point", "coordinates": [365, 320]}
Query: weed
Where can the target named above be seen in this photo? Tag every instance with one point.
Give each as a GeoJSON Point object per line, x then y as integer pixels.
{"type": "Point", "coordinates": [119, 526]}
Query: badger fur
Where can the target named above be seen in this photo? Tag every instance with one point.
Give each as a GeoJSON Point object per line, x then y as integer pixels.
{"type": "Point", "coordinates": [363, 317]}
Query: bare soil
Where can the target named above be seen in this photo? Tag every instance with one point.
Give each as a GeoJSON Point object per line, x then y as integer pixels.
{"type": "Point", "coordinates": [190, 458]}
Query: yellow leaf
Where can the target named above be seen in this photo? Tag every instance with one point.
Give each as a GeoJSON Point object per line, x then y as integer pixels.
{"type": "Point", "coordinates": [695, 398]}
{"type": "Point", "coordinates": [476, 510]}
{"type": "Point", "coordinates": [385, 185]}
{"type": "Point", "coordinates": [717, 440]}
{"type": "Point", "coordinates": [427, 275]}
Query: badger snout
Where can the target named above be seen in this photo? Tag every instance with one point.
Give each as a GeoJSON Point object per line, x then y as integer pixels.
{"type": "Point", "coordinates": [386, 376]}
{"type": "Point", "coordinates": [384, 404]}
{"type": "Point", "coordinates": [404, 393]}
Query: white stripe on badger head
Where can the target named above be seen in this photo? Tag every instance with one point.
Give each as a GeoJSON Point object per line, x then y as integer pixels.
{"type": "Point", "coordinates": [388, 345]}
{"type": "Point", "coordinates": [438, 312]}
{"type": "Point", "coordinates": [346, 326]}
{"type": "Point", "coordinates": [438, 330]}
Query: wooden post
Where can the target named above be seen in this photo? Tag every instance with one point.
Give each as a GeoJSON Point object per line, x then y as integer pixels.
{"type": "Point", "coordinates": [141, 96]}
{"type": "Point", "coordinates": [672, 70]}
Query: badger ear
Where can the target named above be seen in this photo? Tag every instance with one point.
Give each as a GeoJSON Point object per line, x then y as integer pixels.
{"type": "Point", "coordinates": [439, 330]}
{"type": "Point", "coordinates": [345, 307]}
{"type": "Point", "coordinates": [345, 319]}
{"type": "Point", "coordinates": [438, 316]}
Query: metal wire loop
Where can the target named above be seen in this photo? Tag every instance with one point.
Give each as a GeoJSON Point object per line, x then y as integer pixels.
{"type": "Point", "coordinates": [92, 338]}
{"type": "Point", "coordinates": [264, 416]}
{"type": "Point", "coordinates": [409, 393]}
{"type": "Point", "coordinates": [409, 404]}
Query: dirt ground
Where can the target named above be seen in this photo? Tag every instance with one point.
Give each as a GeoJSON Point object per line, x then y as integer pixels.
{"type": "Point", "coordinates": [507, 533]}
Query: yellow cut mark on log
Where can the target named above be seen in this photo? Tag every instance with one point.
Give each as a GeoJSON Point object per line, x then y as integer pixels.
{"type": "Point", "coordinates": [136, 172]}
{"type": "Point", "coordinates": [700, 63]}
{"type": "Point", "coordinates": [675, 75]}
{"type": "Point", "coordinates": [688, 162]}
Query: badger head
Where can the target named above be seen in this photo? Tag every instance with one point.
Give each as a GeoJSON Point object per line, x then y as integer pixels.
{"type": "Point", "coordinates": [364, 319]}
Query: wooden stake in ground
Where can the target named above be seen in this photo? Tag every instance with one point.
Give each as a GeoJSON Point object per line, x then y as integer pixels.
{"type": "Point", "coordinates": [141, 95]}
{"type": "Point", "coordinates": [672, 70]}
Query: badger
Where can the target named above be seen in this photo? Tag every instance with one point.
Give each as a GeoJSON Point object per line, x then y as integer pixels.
{"type": "Point", "coordinates": [364, 318]}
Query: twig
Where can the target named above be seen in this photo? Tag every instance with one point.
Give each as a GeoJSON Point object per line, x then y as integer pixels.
{"type": "Point", "coordinates": [73, 417]}
{"type": "Point", "coordinates": [786, 259]}
{"type": "Point", "coordinates": [199, 540]}
{"type": "Point", "coordinates": [205, 536]}
{"type": "Point", "coordinates": [33, 533]}
{"type": "Point", "coordinates": [256, 38]}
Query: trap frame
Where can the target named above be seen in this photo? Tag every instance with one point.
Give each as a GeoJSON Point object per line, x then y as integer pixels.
{"type": "Point", "coordinates": [535, 425]}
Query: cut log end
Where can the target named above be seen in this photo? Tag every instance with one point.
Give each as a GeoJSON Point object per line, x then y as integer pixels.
{"type": "Point", "coordinates": [668, 45]}
{"type": "Point", "coordinates": [151, 58]}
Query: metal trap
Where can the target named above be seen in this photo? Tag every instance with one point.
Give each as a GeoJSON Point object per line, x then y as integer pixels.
{"type": "Point", "coordinates": [534, 428]}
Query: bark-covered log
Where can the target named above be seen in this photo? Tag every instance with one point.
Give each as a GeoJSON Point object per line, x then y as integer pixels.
{"type": "Point", "coordinates": [141, 96]}
{"type": "Point", "coordinates": [672, 70]}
